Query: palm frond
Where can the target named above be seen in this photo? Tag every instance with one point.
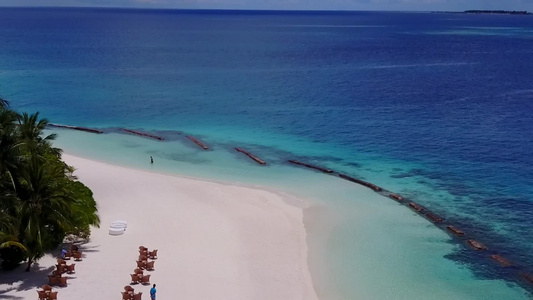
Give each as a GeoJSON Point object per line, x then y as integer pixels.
{"type": "Point", "coordinates": [4, 103]}
{"type": "Point", "coordinates": [13, 243]}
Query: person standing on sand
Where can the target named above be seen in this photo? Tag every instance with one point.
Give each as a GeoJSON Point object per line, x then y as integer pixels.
{"type": "Point", "coordinates": [152, 292]}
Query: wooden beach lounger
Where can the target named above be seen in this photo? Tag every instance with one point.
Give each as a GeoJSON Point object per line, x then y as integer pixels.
{"type": "Point", "coordinates": [145, 280]}
{"type": "Point", "coordinates": [52, 296]}
{"type": "Point", "coordinates": [70, 268]}
{"type": "Point", "coordinates": [53, 279]}
{"type": "Point", "coordinates": [138, 271]}
{"type": "Point", "coordinates": [46, 288]}
{"type": "Point", "coordinates": [126, 296]}
{"type": "Point", "coordinates": [141, 264]}
{"type": "Point", "coordinates": [135, 278]}
{"type": "Point", "coordinates": [150, 265]}
{"type": "Point", "coordinates": [152, 254]}
{"type": "Point", "coordinates": [61, 269]}
{"type": "Point", "coordinates": [129, 289]}
{"type": "Point", "coordinates": [62, 281]}
{"type": "Point", "coordinates": [42, 295]}
{"type": "Point", "coordinates": [77, 256]}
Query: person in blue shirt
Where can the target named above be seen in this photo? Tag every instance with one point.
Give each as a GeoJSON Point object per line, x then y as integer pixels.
{"type": "Point", "coordinates": [152, 292]}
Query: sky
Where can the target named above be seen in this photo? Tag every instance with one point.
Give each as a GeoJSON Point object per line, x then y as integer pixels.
{"type": "Point", "coordinates": [401, 5]}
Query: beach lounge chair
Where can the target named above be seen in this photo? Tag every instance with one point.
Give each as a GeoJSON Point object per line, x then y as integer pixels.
{"type": "Point", "coordinates": [150, 265]}
{"type": "Point", "coordinates": [129, 289]}
{"type": "Point", "coordinates": [77, 256]}
{"type": "Point", "coordinates": [46, 288]}
{"type": "Point", "coordinates": [61, 269]}
{"type": "Point", "coordinates": [62, 281]}
{"type": "Point", "coordinates": [138, 272]}
{"type": "Point", "coordinates": [143, 257]}
{"type": "Point", "coordinates": [145, 280]}
{"type": "Point", "coordinates": [137, 296]}
{"type": "Point", "coordinates": [67, 255]}
{"type": "Point", "coordinates": [143, 250]}
{"type": "Point", "coordinates": [53, 279]}
{"type": "Point", "coordinates": [42, 295]}
{"type": "Point", "coordinates": [152, 254]}
{"type": "Point", "coordinates": [135, 279]}
{"type": "Point", "coordinates": [141, 264]}
{"type": "Point", "coordinates": [52, 296]}
{"type": "Point", "coordinates": [61, 261]}
{"type": "Point", "coordinates": [126, 296]}
{"type": "Point", "coordinates": [70, 268]}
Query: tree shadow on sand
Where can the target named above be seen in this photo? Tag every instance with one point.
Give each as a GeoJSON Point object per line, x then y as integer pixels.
{"type": "Point", "coordinates": [19, 280]}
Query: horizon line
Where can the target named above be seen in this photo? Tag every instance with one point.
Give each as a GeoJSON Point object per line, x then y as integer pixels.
{"type": "Point", "coordinates": [228, 9]}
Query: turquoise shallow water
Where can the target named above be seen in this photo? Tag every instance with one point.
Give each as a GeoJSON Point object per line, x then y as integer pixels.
{"type": "Point", "coordinates": [434, 107]}
{"type": "Point", "coordinates": [362, 245]}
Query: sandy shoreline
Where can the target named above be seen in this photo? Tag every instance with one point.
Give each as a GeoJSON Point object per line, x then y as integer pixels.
{"type": "Point", "coordinates": [215, 241]}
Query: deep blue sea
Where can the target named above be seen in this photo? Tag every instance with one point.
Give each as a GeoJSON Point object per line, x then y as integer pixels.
{"type": "Point", "coordinates": [437, 107]}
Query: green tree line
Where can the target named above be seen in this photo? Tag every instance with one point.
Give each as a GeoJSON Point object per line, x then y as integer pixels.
{"type": "Point", "coordinates": [41, 201]}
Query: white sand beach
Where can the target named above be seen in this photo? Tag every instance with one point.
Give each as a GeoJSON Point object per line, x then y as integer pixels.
{"type": "Point", "coordinates": [214, 241]}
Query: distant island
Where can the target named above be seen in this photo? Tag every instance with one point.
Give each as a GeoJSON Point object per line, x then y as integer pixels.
{"type": "Point", "coordinates": [481, 11]}
{"type": "Point", "coordinates": [505, 12]}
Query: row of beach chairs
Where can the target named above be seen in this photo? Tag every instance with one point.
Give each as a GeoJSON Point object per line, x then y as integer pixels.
{"type": "Point", "coordinates": [57, 278]}
{"type": "Point", "coordinates": [46, 293]}
{"type": "Point", "coordinates": [138, 276]}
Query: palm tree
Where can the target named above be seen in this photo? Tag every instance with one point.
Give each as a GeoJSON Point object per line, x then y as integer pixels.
{"type": "Point", "coordinates": [31, 130]}
{"type": "Point", "coordinates": [11, 251]}
{"type": "Point", "coordinates": [51, 204]}
{"type": "Point", "coordinates": [10, 157]}
{"type": "Point", "coordinates": [4, 103]}
{"type": "Point", "coordinates": [41, 199]}
{"type": "Point", "coordinates": [7, 210]}
{"type": "Point", "coordinates": [44, 209]}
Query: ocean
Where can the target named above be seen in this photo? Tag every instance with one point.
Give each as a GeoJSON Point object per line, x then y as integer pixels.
{"type": "Point", "coordinates": [436, 107]}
